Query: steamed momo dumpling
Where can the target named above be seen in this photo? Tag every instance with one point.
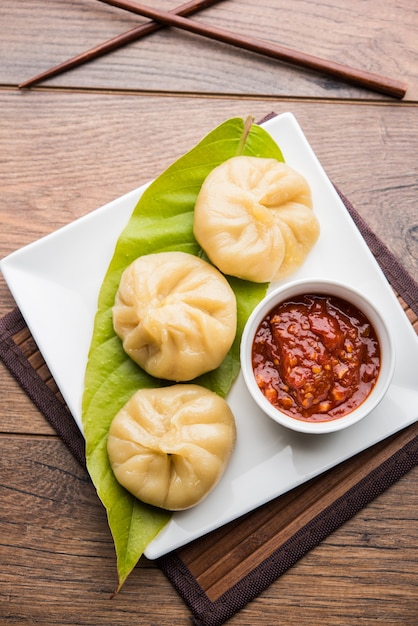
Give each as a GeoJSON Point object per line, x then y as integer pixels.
{"type": "Point", "coordinates": [169, 446]}
{"type": "Point", "coordinates": [175, 314]}
{"type": "Point", "coordinates": [254, 218]}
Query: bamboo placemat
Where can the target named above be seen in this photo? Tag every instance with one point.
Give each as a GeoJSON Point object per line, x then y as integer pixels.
{"type": "Point", "coordinates": [220, 573]}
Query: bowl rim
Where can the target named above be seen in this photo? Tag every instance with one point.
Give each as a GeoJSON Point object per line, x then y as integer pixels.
{"type": "Point", "coordinates": [357, 298]}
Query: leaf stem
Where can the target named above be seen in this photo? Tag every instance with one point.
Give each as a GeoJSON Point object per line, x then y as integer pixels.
{"type": "Point", "coordinates": [246, 131]}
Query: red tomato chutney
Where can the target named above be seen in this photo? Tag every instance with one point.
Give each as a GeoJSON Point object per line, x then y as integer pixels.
{"type": "Point", "coordinates": [316, 357]}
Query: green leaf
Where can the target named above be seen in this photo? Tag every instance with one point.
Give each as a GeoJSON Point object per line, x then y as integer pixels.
{"type": "Point", "coordinates": [162, 220]}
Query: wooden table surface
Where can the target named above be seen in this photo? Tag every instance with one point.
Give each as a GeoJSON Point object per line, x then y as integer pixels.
{"type": "Point", "coordinates": [80, 140]}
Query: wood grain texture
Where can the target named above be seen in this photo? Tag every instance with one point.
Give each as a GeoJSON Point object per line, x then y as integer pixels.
{"type": "Point", "coordinates": [39, 34]}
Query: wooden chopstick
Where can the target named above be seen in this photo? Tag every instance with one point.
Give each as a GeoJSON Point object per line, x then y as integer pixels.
{"type": "Point", "coordinates": [188, 8]}
{"type": "Point", "coordinates": [362, 78]}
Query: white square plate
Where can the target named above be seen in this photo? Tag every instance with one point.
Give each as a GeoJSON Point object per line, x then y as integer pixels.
{"type": "Point", "coordinates": [56, 280]}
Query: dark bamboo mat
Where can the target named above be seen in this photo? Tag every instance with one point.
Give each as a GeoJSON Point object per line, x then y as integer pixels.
{"type": "Point", "coordinates": [220, 573]}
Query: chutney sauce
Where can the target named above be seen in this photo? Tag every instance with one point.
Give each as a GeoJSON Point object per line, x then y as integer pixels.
{"type": "Point", "coordinates": [316, 357]}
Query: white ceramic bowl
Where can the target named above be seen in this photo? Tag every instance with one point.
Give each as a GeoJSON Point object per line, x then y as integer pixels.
{"type": "Point", "coordinates": [351, 295]}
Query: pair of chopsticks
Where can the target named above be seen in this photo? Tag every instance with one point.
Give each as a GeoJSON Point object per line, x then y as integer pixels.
{"type": "Point", "coordinates": [177, 18]}
{"type": "Point", "coordinates": [116, 42]}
